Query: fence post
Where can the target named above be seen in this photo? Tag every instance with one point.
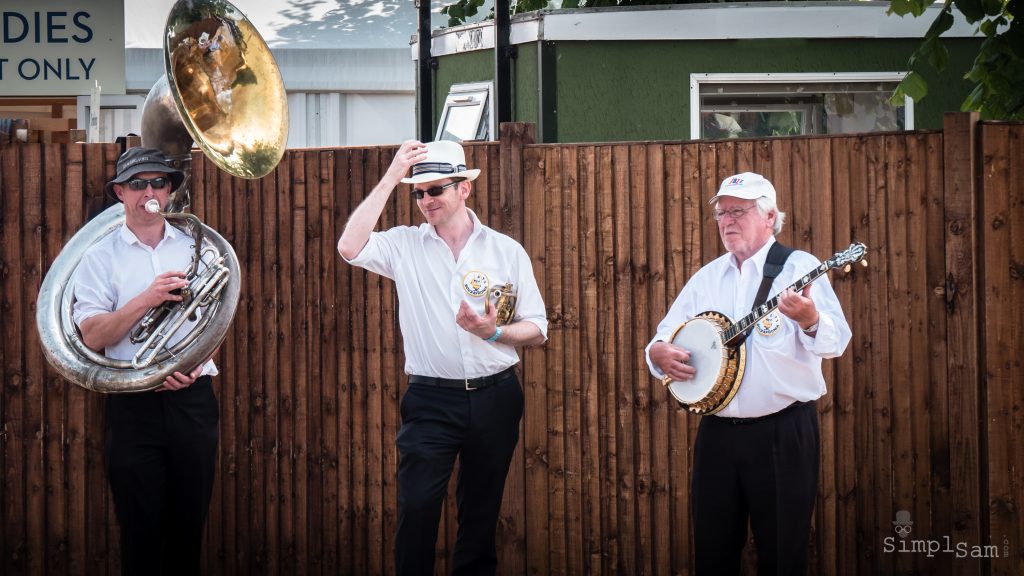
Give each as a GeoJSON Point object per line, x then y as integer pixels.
{"type": "Point", "coordinates": [963, 255]}
{"type": "Point", "coordinates": [513, 136]}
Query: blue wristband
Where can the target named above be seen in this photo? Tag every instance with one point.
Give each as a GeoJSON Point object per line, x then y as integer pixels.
{"type": "Point", "coordinates": [497, 334]}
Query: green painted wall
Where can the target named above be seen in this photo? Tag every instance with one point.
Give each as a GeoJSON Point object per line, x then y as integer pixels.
{"type": "Point", "coordinates": [478, 66]}
{"type": "Point", "coordinates": [640, 90]}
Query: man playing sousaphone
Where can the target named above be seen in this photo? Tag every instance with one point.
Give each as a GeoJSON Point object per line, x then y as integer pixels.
{"type": "Point", "coordinates": [464, 400]}
{"type": "Point", "coordinates": [756, 459]}
{"type": "Point", "coordinates": [160, 447]}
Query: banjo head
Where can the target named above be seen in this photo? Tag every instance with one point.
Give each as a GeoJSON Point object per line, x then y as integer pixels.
{"type": "Point", "coordinates": [702, 336]}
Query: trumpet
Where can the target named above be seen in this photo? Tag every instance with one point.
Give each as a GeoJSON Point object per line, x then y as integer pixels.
{"type": "Point", "coordinates": [505, 297]}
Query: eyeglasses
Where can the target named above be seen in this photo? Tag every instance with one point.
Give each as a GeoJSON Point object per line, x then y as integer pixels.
{"type": "Point", "coordinates": [433, 192]}
{"type": "Point", "coordinates": [734, 213]}
{"type": "Point", "coordinates": [141, 183]}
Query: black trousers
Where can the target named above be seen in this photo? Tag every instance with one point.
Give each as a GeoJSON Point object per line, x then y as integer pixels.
{"type": "Point", "coordinates": [161, 450]}
{"type": "Point", "coordinates": [764, 472]}
{"type": "Point", "coordinates": [481, 428]}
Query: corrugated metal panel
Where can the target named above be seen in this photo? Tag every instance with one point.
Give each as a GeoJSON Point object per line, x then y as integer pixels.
{"type": "Point", "coordinates": [322, 119]}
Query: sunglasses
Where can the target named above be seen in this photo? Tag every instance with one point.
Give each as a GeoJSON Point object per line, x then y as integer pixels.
{"type": "Point", "coordinates": [433, 192]}
{"type": "Point", "coordinates": [141, 183]}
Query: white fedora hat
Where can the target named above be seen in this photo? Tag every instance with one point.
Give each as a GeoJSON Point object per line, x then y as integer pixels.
{"type": "Point", "coordinates": [445, 159]}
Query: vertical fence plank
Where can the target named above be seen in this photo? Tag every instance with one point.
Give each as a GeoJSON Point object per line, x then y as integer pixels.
{"type": "Point", "coordinates": [638, 273]}
{"type": "Point", "coordinates": [8, 166]}
{"type": "Point", "coordinates": [1002, 226]}
{"type": "Point", "coordinates": [575, 386]}
{"type": "Point", "coordinates": [14, 327]}
{"type": "Point", "coordinates": [656, 218]}
{"type": "Point", "coordinates": [934, 304]}
{"type": "Point", "coordinates": [863, 348]}
{"type": "Point", "coordinates": [361, 282]}
{"type": "Point", "coordinates": [513, 195]}
{"type": "Point", "coordinates": [962, 317]}
{"type": "Point", "coordinates": [535, 440]}
{"type": "Point", "coordinates": [54, 391]}
{"type": "Point", "coordinates": [347, 198]}
{"type": "Point", "coordinates": [915, 329]}
{"type": "Point", "coordinates": [32, 381]}
{"type": "Point", "coordinates": [393, 387]}
{"type": "Point", "coordinates": [553, 392]}
{"type": "Point", "coordinates": [901, 373]}
{"type": "Point", "coordinates": [842, 542]}
{"type": "Point", "coordinates": [880, 403]}
{"type": "Point", "coordinates": [590, 382]}
{"type": "Point", "coordinates": [607, 361]}
{"type": "Point", "coordinates": [625, 395]}
{"type": "Point", "coordinates": [326, 314]}
{"type": "Point", "coordinates": [72, 214]}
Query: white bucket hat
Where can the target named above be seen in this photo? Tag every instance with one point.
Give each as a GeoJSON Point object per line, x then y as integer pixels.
{"type": "Point", "coordinates": [445, 159]}
{"type": "Point", "coordinates": [747, 185]}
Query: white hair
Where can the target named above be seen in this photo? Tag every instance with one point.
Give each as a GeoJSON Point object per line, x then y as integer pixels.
{"type": "Point", "coordinates": [765, 206]}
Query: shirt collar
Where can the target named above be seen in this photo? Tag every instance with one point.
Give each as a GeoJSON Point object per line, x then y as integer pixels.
{"type": "Point", "coordinates": [129, 237]}
{"type": "Point", "coordinates": [477, 226]}
{"type": "Point", "coordinates": [759, 257]}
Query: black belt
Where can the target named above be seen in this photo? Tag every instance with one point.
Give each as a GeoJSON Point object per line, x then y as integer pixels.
{"type": "Point", "coordinates": [792, 406]}
{"type": "Point", "coordinates": [464, 383]}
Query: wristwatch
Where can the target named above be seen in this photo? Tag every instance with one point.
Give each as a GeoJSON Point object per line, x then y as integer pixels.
{"type": "Point", "coordinates": [812, 328]}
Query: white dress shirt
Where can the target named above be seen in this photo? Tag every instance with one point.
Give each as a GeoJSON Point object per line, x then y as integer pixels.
{"type": "Point", "coordinates": [783, 363]}
{"type": "Point", "coordinates": [118, 268]}
{"type": "Point", "coordinates": [431, 285]}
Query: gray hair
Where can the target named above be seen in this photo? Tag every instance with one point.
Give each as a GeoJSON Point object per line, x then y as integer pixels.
{"type": "Point", "coordinates": [766, 205]}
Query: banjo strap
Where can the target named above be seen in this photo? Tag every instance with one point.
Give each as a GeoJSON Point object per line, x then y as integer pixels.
{"type": "Point", "coordinates": [773, 263]}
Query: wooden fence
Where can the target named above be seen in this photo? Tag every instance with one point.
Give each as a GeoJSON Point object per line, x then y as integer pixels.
{"type": "Point", "coordinates": [924, 411]}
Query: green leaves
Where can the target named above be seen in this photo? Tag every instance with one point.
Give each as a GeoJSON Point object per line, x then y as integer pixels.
{"type": "Point", "coordinates": [904, 7]}
{"type": "Point", "coordinates": [998, 70]}
{"type": "Point", "coordinates": [461, 11]}
{"type": "Point", "coordinates": [913, 85]}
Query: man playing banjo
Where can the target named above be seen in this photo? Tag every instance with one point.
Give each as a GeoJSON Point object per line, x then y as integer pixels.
{"type": "Point", "coordinates": [756, 459]}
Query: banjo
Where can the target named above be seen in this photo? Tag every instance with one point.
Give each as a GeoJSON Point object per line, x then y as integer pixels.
{"type": "Point", "coordinates": [718, 347]}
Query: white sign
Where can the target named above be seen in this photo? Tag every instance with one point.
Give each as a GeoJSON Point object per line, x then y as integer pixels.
{"type": "Point", "coordinates": [61, 47]}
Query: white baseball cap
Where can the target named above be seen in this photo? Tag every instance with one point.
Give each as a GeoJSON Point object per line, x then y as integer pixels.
{"type": "Point", "coordinates": [748, 185]}
{"type": "Point", "coordinates": [445, 159]}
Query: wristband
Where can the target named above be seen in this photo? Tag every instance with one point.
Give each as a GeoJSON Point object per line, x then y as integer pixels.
{"type": "Point", "coordinates": [810, 329]}
{"type": "Point", "coordinates": [497, 334]}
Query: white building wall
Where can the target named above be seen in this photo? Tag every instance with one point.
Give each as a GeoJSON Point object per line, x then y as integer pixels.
{"type": "Point", "coordinates": [325, 119]}
{"type": "Point", "coordinates": [344, 97]}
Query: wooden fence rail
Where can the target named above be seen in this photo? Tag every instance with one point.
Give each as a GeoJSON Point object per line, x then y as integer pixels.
{"type": "Point", "coordinates": [924, 411]}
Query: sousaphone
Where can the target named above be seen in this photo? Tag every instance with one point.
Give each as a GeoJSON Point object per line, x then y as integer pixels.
{"type": "Point", "coordinates": [223, 91]}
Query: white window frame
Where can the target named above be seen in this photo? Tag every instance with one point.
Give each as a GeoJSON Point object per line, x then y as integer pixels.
{"type": "Point", "coordinates": [790, 78]}
{"type": "Point", "coordinates": [462, 95]}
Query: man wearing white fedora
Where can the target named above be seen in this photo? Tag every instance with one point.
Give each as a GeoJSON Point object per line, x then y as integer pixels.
{"type": "Point", "coordinates": [463, 400]}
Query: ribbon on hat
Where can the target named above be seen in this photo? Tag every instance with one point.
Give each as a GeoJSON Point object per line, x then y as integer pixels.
{"type": "Point", "coordinates": [437, 168]}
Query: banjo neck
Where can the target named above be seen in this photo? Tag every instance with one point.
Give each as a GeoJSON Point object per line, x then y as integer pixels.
{"type": "Point", "coordinates": [734, 335]}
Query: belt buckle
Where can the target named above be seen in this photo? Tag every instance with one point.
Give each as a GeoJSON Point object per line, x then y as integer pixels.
{"type": "Point", "coordinates": [468, 387]}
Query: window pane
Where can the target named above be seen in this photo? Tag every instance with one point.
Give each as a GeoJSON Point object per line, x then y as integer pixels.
{"type": "Point", "coordinates": [754, 110]}
{"type": "Point", "coordinates": [461, 123]}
